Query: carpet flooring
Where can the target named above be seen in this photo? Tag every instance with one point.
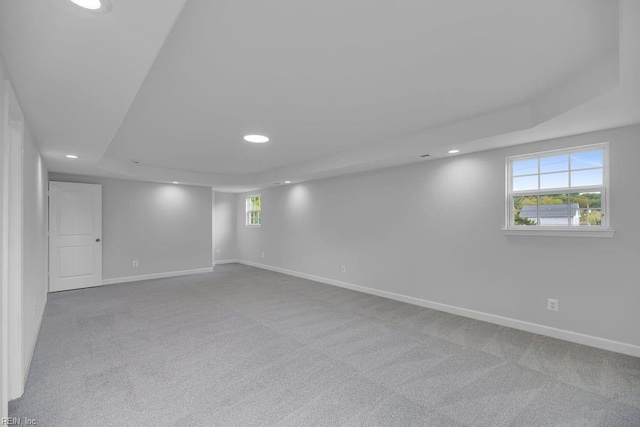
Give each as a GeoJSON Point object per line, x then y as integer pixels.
{"type": "Point", "coordinates": [244, 346]}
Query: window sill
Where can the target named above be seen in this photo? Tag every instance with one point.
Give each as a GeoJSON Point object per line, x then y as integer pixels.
{"type": "Point", "coordinates": [252, 226]}
{"type": "Point", "coordinates": [606, 233]}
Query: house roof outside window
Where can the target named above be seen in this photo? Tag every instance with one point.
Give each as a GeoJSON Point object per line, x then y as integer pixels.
{"type": "Point", "coordinates": [550, 211]}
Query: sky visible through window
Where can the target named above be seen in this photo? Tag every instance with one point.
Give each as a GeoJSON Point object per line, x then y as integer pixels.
{"type": "Point", "coordinates": [581, 169]}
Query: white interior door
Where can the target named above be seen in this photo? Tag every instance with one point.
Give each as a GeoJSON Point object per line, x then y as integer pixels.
{"type": "Point", "coordinates": [75, 236]}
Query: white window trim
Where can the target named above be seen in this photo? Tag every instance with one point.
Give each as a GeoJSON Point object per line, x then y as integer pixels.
{"type": "Point", "coordinates": [247, 211]}
{"type": "Point", "coordinates": [546, 232]}
{"type": "Point", "coordinates": [554, 231]}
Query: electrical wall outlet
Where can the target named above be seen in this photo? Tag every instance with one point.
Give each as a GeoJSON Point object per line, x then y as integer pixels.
{"type": "Point", "coordinates": [217, 251]}
{"type": "Point", "coordinates": [343, 269]}
{"type": "Point", "coordinates": [134, 264]}
{"type": "Point", "coordinates": [262, 254]}
{"type": "Point", "coordinates": [552, 304]}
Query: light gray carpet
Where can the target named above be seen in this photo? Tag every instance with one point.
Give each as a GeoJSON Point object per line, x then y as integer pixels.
{"type": "Point", "coordinates": [244, 346]}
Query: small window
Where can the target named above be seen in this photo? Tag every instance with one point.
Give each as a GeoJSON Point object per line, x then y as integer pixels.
{"type": "Point", "coordinates": [563, 189]}
{"type": "Point", "coordinates": [254, 210]}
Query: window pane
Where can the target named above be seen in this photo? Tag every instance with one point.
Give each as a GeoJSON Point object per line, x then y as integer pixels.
{"type": "Point", "coordinates": [525, 210]}
{"type": "Point", "coordinates": [554, 180]}
{"type": "Point", "coordinates": [590, 205]}
{"type": "Point", "coordinates": [554, 164]}
{"type": "Point", "coordinates": [525, 167]}
{"type": "Point", "coordinates": [253, 203]}
{"type": "Point", "coordinates": [589, 177]}
{"type": "Point", "coordinates": [522, 183]}
{"type": "Point", "coordinates": [255, 218]}
{"type": "Point", "coordinates": [587, 159]}
{"type": "Point", "coordinates": [555, 210]}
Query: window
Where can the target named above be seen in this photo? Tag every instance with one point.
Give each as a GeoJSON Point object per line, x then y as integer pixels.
{"type": "Point", "coordinates": [563, 190]}
{"type": "Point", "coordinates": [254, 210]}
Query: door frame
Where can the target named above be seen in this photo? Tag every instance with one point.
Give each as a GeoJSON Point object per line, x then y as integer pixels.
{"type": "Point", "coordinates": [16, 271]}
{"type": "Point", "coordinates": [12, 253]}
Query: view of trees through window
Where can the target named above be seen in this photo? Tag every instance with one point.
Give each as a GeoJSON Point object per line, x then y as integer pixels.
{"type": "Point", "coordinates": [589, 209]}
{"type": "Point", "coordinates": [254, 210]}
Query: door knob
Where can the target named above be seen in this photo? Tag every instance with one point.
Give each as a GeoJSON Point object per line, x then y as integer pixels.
{"type": "Point", "coordinates": [98, 240]}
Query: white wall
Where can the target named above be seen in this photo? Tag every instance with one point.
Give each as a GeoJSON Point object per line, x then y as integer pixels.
{"type": "Point", "coordinates": [225, 226]}
{"type": "Point", "coordinates": [433, 231]}
{"type": "Point", "coordinates": [165, 227]}
{"type": "Point", "coordinates": [34, 246]}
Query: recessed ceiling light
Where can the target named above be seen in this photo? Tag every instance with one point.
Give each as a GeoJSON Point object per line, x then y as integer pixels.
{"type": "Point", "coordinates": [98, 6]}
{"type": "Point", "coordinates": [175, 182]}
{"type": "Point", "coordinates": [454, 151]}
{"type": "Point", "coordinates": [256, 139]}
{"type": "Point", "coordinates": [287, 182]}
{"type": "Point", "coordinates": [72, 156]}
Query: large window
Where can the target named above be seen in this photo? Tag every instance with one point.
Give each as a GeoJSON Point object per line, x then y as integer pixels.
{"type": "Point", "coordinates": [254, 210]}
{"type": "Point", "coordinates": [562, 189]}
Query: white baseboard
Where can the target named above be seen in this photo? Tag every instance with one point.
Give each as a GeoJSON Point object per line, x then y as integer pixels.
{"type": "Point", "coordinates": [156, 276]}
{"type": "Point", "coordinates": [563, 334]}
{"type": "Point", "coordinates": [225, 261]}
